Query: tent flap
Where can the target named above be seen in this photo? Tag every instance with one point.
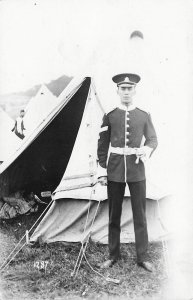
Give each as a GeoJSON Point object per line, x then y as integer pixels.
{"type": "Point", "coordinates": [66, 221]}
{"type": "Point", "coordinates": [40, 162]}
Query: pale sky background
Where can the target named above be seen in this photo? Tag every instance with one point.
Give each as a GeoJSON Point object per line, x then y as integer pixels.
{"type": "Point", "coordinates": [42, 40]}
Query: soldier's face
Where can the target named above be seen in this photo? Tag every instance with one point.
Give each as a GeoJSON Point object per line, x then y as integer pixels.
{"type": "Point", "coordinates": [126, 94]}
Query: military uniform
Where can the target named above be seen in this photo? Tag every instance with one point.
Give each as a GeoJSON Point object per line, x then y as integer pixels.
{"type": "Point", "coordinates": [122, 133]}
{"type": "Point", "coordinates": [125, 129]}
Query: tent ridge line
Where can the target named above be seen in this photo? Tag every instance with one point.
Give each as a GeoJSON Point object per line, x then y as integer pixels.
{"type": "Point", "coordinates": [96, 94]}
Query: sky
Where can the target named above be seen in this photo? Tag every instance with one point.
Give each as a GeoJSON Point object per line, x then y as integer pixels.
{"type": "Point", "coordinates": [42, 40]}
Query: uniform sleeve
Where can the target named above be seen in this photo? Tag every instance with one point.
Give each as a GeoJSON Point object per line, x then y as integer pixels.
{"type": "Point", "coordinates": [150, 134]}
{"type": "Point", "coordinates": [103, 142]}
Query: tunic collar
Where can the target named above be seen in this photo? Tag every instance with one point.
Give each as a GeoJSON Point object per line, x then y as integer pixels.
{"type": "Point", "coordinates": [130, 107]}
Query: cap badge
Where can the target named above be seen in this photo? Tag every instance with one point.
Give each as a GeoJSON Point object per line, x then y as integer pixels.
{"type": "Point", "coordinates": [126, 79]}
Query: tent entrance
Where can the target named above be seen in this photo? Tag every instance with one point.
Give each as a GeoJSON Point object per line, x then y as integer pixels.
{"type": "Point", "coordinates": [41, 165]}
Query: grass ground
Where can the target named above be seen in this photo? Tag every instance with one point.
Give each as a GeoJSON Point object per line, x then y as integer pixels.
{"type": "Point", "coordinates": [44, 271]}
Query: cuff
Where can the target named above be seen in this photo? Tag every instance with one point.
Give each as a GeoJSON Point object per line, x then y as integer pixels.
{"type": "Point", "coordinates": [101, 171]}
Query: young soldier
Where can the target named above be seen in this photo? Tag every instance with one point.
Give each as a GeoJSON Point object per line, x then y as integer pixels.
{"type": "Point", "coordinates": [123, 129]}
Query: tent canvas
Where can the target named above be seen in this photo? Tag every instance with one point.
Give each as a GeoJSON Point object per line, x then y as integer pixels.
{"type": "Point", "coordinates": [38, 108]}
{"type": "Point", "coordinates": [40, 161]}
{"type": "Point", "coordinates": [60, 156]}
{"type": "Point", "coordinates": [65, 220]}
{"type": "Point", "coordinates": [8, 140]}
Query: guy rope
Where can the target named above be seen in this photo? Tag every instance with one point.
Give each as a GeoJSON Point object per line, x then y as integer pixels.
{"type": "Point", "coordinates": [12, 255]}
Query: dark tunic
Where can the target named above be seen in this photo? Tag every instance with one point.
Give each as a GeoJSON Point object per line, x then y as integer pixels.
{"type": "Point", "coordinates": [122, 128]}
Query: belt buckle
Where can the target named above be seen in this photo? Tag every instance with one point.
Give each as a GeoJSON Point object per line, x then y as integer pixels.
{"type": "Point", "coordinates": [126, 151]}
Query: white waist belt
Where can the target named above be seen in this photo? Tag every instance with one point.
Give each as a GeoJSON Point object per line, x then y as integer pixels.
{"type": "Point", "coordinates": [123, 150]}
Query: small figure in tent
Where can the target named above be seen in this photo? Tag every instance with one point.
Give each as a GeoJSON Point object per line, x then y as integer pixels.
{"type": "Point", "coordinates": [123, 130]}
{"type": "Point", "coordinates": [19, 125]}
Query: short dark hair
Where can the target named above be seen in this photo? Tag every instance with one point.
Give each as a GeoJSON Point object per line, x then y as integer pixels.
{"type": "Point", "coordinates": [22, 110]}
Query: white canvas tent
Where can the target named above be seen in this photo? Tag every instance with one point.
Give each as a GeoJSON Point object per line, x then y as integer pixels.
{"type": "Point", "coordinates": [8, 140]}
{"type": "Point", "coordinates": [78, 192]}
{"type": "Point", "coordinates": [60, 155]}
{"type": "Point", "coordinates": [40, 161]}
{"type": "Point", "coordinates": [38, 108]}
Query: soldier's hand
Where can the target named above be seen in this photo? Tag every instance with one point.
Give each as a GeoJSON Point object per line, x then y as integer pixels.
{"type": "Point", "coordinates": [140, 152]}
{"type": "Point", "coordinates": [102, 180]}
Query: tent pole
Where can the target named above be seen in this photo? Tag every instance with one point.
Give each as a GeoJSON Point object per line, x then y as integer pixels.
{"type": "Point", "coordinates": [81, 249]}
{"type": "Point", "coordinates": [86, 238]}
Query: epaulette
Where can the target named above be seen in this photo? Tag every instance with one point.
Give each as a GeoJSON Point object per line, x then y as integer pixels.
{"type": "Point", "coordinates": [146, 111]}
{"type": "Point", "coordinates": [110, 110]}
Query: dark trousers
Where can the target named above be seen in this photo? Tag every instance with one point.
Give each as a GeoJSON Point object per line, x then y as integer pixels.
{"type": "Point", "coordinates": [116, 192]}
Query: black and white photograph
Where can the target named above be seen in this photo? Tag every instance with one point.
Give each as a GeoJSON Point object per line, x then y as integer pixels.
{"type": "Point", "coordinates": [96, 149]}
